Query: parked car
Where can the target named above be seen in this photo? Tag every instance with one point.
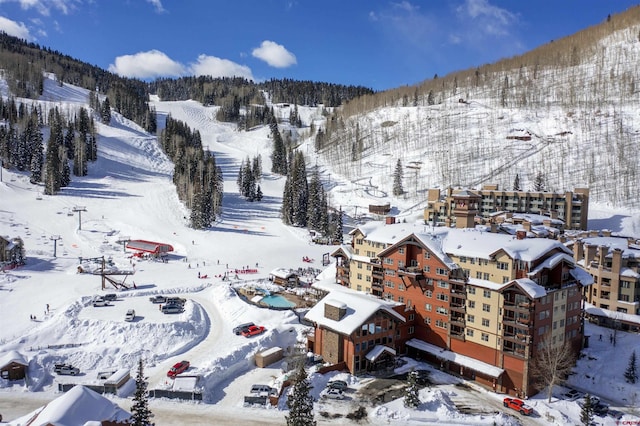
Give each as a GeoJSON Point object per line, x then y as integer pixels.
{"type": "Point", "coordinates": [334, 393]}
{"type": "Point", "coordinates": [240, 328]}
{"type": "Point", "coordinates": [172, 309]}
{"type": "Point", "coordinates": [261, 389]}
{"type": "Point", "coordinates": [337, 384]}
{"type": "Point", "coordinates": [176, 300]}
{"type": "Point", "coordinates": [104, 375]}
{"type": "Point", "coordinates": [158, 299]}
{"type": "Point", "coordinates": [518, 405]}
{"type": "Point", "coordinates": [130, 315]}
{"type": "Point", "coordinates": [573, 394]}
{"type": "Point", "coordinates": [110, 297]}
{"type": "Point", "coordinates": [100, 301]}
{"type": "Point", "coordinates": [253, 330]}
{"type": "Point", "coordinates": [178, 368]}
{"type": "Point", "coordinates": [66, 370]}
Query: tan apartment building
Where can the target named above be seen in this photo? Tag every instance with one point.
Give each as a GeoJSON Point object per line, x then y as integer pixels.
{"type": "Point", "coordinates": [614, 264]}
{"type": "Point", "coordinates": [464, 208]}
{"type": "Point", "coordinates": [479, 303]}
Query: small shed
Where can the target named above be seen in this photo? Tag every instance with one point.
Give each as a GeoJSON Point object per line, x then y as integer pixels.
{"type": "Point", "coordinates": [152, 247]}
{"type": "Point", "coordinates": [284, 277]}
{"type": "Point", "coordinates": [13, 366]}
{"type": "Point", "coordinates": [269, 356]}
{"type": "Point", "coordinates": [116, 381]}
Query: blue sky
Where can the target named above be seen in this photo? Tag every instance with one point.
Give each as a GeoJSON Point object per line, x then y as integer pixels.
{"type": "Point", "coordinates": [378, 44]}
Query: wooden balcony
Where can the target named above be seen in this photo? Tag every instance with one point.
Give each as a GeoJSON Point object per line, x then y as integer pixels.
{"type": "Point", "coordinates": [410, 271]}
{"type": "Point", "coordinates": [458, 307]}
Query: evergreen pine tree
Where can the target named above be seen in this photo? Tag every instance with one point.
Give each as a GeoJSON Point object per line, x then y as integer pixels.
{"type": "Point", "coordinates": [538, 183]}
{"type": "Point", "coordinates": [140, 413]}
{"type": "Point", "coordinates": [300, 401]}
{"type": "Point", "coordinates": [37, 160]}
{"type": "Point", "coordinates": [105, 113]}
{"type": "Point", "coordinates": [516, 183]}
{"type": "Point", "coordinates": [411, 397]}
{"type": "Point", "coordinates": [259, 194]}
{"type": "Point", "coordinates": [279, 153]}
{"type": "Point", "coordinates": [397, 179]}
{"type": "Point", "coordinates": [338, 227]}
{"type": "Point", "coordinates": [586, 414]}
{"type": "Point", "coordinates": [631, 373]}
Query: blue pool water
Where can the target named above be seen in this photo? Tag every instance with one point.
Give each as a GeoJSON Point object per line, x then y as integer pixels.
{"type": "Point", "coordinates": [277, 301]}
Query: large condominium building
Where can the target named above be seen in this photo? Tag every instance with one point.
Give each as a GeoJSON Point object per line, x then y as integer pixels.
{"type": "Point", "coordinates": [477, 303]}
{"type": "Point", "coordinates": [614, 264]}
{"type": "Point", "coordinates": [464, 208]}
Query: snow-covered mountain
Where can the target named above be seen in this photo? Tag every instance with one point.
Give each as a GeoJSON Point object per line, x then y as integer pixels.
{"type": "Point", "coordinates": [568, 109]}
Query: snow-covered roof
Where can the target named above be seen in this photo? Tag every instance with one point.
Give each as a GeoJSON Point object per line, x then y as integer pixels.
{"type": "Point", "coordinates": [431, 241]}
{"type": "Point", "coordinates": [79, 407]}
{"type": "Point", "coordinates": [387, 233]}
{"type": "Point", "coordinates": [118, 376]}
{"type": "Point", "coordinates": [282, 273]}
{"type": "Point", "coordinates": [185, 383]}
{"type": "Point", "coordinates": [469, 242]}
{"type": "Point", "coordinates": [593, 310]}
{"type": "Point", "coordinates": [531, 287]}
{"type": "Point", "coordinates": [472, 363]}
{"type": "Point", "coordinates": [551, 262]}
{"type": "Point", "coordinates": [581, 275]}
{"type": "Point", "coordinates": [377, 350]}
{"type": "Point", "coordinates": [360, 307]}
{"type": "Point", "coordinates": [12, 356]}
{"type": "Point", "coordinates": [628, 250]}
{"type": "Point", "coordinates": [486, 284]}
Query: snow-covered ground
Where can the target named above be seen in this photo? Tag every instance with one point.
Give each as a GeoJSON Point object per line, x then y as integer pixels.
{"type": "Point", "coordinates": [129, 194]}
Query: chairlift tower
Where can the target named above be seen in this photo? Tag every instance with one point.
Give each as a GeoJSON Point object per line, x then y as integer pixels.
{"type": "Point", "coordinates": [123, 241]}
{"type": "Point", "coordinates": [55, 239]}
{"type": "Point", "coordinates": [79, 210]}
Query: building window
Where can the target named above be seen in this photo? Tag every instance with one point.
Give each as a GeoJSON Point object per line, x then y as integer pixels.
{"type": "Point", "coordinates": [389, 284]}
{"type": "Point", "coordinates": [472, 304]}
{"type": "Point", "coordinates": [479, 275]}
{"type": "Point", "coordinates": [441, 324]}
{"type": "Point", "coordinates": [401, 287]}
{"type": "Point", "coordinates": [442, 296]}
{"type": "Point", "coordinates": [426, 269]}
{"type": "Point", "coordinates": [442, 311]}
{"type": "Point", "coordinates": [471, 290]}
{"type": "Point", "coordinates": [359, 275]}
{"type": "Point", "coordinates": [486, 276]}
{"type": "Point", "coordinates": [412, 317]}
{"type": "Point", "coordinates": [486, 293]}
{"type": "Point", "coordinates": [486, 307]}
{"type": "Point", "coordinates": [485, 322]}
{"type": "Point", "coordinates": [503, 266]}
{"type": "Point", "coordinates": [368, 278]}
{"type": "Point", "coordinates": [470, 332]}
{"type": "Point", "coordinates": [411, 329]}
{"type": "Point", "coordinates": [401, 299]}
{"type": "Point", "coordinates": [401, 250]}
{"type": "Point", "coordinates": [427, 320]}
{"type": "Point", "coordinates": [463, 259]}
{"type": "Point", "coordinates": [484, 337]}
{"type": "Point", "coordinates": [390, 272]}
{"type": "Point", "coordinates": [471, 318]}
{"type": "Point", "coordinates": [388, 261]}
{"type": "Point", "coordinates": [441, 271]}
{"type": "Point", "coordinates": [443, 284]}
{"type": "Point", "coordinates": [400, 264]}
{"type": "Point", "coordinates": [427, 255]}
{"type": "Point", "coordinates": [359, 287]}
{"type": "Point", "coordinates": [428, 293]}
{"type": "Point", "coordinates": [427, 306]}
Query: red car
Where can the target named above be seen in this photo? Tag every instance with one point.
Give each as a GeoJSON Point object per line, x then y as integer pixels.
{"type": "Point", "coordinates": [253, 330]}
{"type": "Point", "coordinates": [178, 368]}
{"type": "Point", "coordinates": [518, 405]}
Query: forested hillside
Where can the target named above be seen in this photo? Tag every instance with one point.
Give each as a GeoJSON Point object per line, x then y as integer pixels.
{"type": "Point", "coordinates": [567, 110]}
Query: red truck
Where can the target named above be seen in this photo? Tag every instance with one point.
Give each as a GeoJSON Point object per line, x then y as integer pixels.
{"type": "Point", "coordinates": [518, 405]}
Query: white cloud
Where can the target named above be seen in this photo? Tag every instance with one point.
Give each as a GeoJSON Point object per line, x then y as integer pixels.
{"type": "Point", "coordinates": [16, 29]}
{"type": "Point", "coordinates": [44, 6]}
{"type": "Point", "coordinates": [157, 4]}
{"type": "Point", "coordinates": [147, 65]}
{"type": "Point", "coordinates": [217, 67]}
{"type": "Point", "coordinates": [488, 18]}
{"type": "Point", "coordinates": [274, 54]}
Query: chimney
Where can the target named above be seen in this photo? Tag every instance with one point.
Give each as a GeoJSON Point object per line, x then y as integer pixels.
{"type": "Point", "coordinates": [606, 233]}
{"type": "Point", "coordinates": [602, 254]}
{"type": "Point", "coordinates": [591, 254]}
{"type": "Point", "coordinates": [526, 225]}
{"type": "Point", "coordinates": [494, 227]}
{"type": "Point", "coordinates": [334, 310]}
{"type": "Point", "coordinates": [616, 262]}
{"type": "Point", "coordinates": [521, 234]}
{"type": "Point", "coordinates": [578, 250]}
{"type": "Point", "coordinates": [390, 220]}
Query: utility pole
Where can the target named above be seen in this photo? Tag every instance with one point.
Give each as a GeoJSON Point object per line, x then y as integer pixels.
{"type": "Point", "coordinates": [55, 239]}
{"type": "Point", "coordinates": [79, 210]}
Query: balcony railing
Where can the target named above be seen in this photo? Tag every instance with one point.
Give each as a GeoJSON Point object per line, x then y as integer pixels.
{"type": "Point", "coordinates": [414, 271]}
